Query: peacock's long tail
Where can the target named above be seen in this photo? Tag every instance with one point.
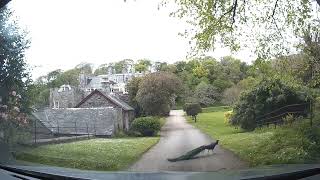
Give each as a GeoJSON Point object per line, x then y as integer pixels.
{"type": "Point", "coordinates": [188, 155]}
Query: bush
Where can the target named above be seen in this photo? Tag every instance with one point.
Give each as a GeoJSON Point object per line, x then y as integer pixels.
{"type": "Point", "coordinates": [298, 143]}
{"type": "Point", "coordinates": [267, 96]}
{"type": "Point", "coordinates": [227, 117]}
{"type": "Point", "coordinates": [146, 126]}
{"type": "Point", "coordinates": [192, 109]}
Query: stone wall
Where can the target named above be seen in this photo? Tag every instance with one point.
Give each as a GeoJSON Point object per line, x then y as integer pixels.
{"type": "Point", "coordinates": [97, 121]}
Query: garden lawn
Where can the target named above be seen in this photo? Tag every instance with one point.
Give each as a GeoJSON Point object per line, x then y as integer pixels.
{"type": "Point", "coordinates": [216, 109]}
{"type": "Point", "coordinates": [262, 146]}
{"type": "Point", "coordinates": [94, 154]}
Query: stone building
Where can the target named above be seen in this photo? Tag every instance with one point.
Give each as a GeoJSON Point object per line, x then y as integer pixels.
{"type": "Point", "coordinates": [75, 111]}
{"type": "Point", "coordinates": [65, 97]}
{"type": "Point", "coordinates": [99, 99]}
{"type": "Point", "coordinates": [105, 121]}
{"type": "Point", "coordinates": [108, 82]}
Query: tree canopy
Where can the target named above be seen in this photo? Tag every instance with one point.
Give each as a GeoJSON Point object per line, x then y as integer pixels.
{"type": "Point", "coordinates": [156, 92]}
{"type": "Point", "coordinates": [14, 74]}
{"type": "Point", "coordinates": [266, 25]}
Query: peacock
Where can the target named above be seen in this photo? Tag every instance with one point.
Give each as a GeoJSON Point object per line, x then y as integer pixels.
{"type": "Point", "coordinates": [194, 152]}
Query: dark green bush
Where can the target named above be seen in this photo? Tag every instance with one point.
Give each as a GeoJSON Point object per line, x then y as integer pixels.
{"type": "Point", "coordinates": [267, 96]}
{"type": "Point", "coordinates": [146, 126]}
{"type": "Point", "coordinates": [192, 109]}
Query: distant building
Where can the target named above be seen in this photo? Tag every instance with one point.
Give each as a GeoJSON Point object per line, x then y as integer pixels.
{"type": "Point", "coordinates": [65, 97]}
{"type": "Point", "coordinates": [107, 83]}
{"type": "Point", "coordinates": [74, 112]}
{"type": "Point", "coordinates": [97, 106]}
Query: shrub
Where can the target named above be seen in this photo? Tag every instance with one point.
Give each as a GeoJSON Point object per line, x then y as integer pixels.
{"type": "Point", "coordinates": [267, 96]}
{"type": "Point", "coordinates": [227, 117]}
{"type": "Point", "coordinates": [146, 126]}
{"type": "Point", "coordinates": [192, 109]}
{"type": "Point", "coordinates": [298, 143]}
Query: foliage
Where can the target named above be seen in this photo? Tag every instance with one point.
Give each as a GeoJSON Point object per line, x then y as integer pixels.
{"type": "Point", "coordinates": [267, 96]}
{"type": "Point", "coordinates": [102, 69]}
{"type": "Point", "coordinates": [312, 49]}
{"type": "Point", "coordinates": [14, 74]}
{"type": "Point", "coordinates": [297, 143]}
{"type": "Point", "coordinates": [232, 94]}
{"type": "Point", "coordinates": [133, 87]}
{"type": "Point", "coordinates": [227, 117]}
{"type": "Point", "coordinates": [12, 119]}
{"type": "Point", "coordinates": [142, 65]}
{"type": "Point", "coordinates": [206, 95]}
{"type": "Point", "coordinates": [146, 126]}
{"type": "Point", "coordinates": [156, 91]}
{"type": "Point", "coordinates": [93, 154]}
{"type": "Point", "coordinates": [192, 109]}
{"type": "Point", "coordinates": [270, 25]}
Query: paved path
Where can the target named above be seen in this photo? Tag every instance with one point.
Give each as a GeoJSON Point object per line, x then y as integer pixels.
{"type": "Point", "coordinates": [179, 137]}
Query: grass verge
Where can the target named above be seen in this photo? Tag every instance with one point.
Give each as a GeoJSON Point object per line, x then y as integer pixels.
{"type": "Point", "coordinates": [297, 143]}
{"type": "Point", "coordinates": [94, 154]}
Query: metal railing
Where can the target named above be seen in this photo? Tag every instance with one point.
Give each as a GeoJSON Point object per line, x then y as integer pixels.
{"type": "Point", "coordinates": [276, 116]}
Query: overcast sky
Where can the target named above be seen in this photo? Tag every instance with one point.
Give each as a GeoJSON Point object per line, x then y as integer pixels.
{"type": "Point", "coordinates": [65, 33]}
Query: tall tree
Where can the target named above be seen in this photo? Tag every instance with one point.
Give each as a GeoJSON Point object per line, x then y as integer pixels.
{"type": "Point", "coordinates": [312, 48]}
{"type": "Point", "coordinates": [13, 68]}
{"type": "Point", "coordinates": [156, 92]}
{"type": "Point", "coordinates": [133, 87]}
{"type": "Point", "coordinates": [143, 65]}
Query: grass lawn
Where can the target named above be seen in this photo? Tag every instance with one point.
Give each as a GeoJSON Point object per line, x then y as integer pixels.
{"type": "Point", "coordinates": [94, 154]}
{"type": "Point", "coordinates": [259, 147]}
{"type": "Point", "coordinates": [163, 120]}
{"type": "Point", "coordinates": [216, 109]}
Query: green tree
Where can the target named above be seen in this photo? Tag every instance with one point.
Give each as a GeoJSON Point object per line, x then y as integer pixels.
{"type": "Point", "coordinates": [156, 92]}
{"type": "Point", "coordinates": [267, 96]}
{"type": "Point", "coordinates": [232, 94]}
{"type": "Point", "coordinates": [102, 69]}
{"type": "Point", "coordinates": [133, 87]}
{"type": "Point", "coordinates": [161, 66]}
{"type": "Point", "coordinates": [192, 109]}
{"type": "Point", "coordinates": [231, 68]}
{"type": "Point", "coordinates": [14, 78]}
{"type": "Point", "coordinates": [14, 75]}
{"type": "Point", "coordinates": [312, 48]}
{"type": "Point", "coordinates": [121, 66]}
{"type": "Point", "coordinates": [200, 71]}
{"type": "Point", "coordinates": [142, 65]}
{"type": "Point", "coordinates": [206, 94]}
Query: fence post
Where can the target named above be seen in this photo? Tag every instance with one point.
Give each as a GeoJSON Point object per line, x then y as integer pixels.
{"type": "Point", "coordinates": [87, 129]}
{"type": "Point", "coordinates": [75, 127]}
{"type": "Point", "coordinates": [94, 127]}
{"type": "Point", "coordinates": [58, 128]}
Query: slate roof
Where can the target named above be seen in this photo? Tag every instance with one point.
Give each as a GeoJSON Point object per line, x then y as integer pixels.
{"type": "Point", "coordinates": [113, 99]}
